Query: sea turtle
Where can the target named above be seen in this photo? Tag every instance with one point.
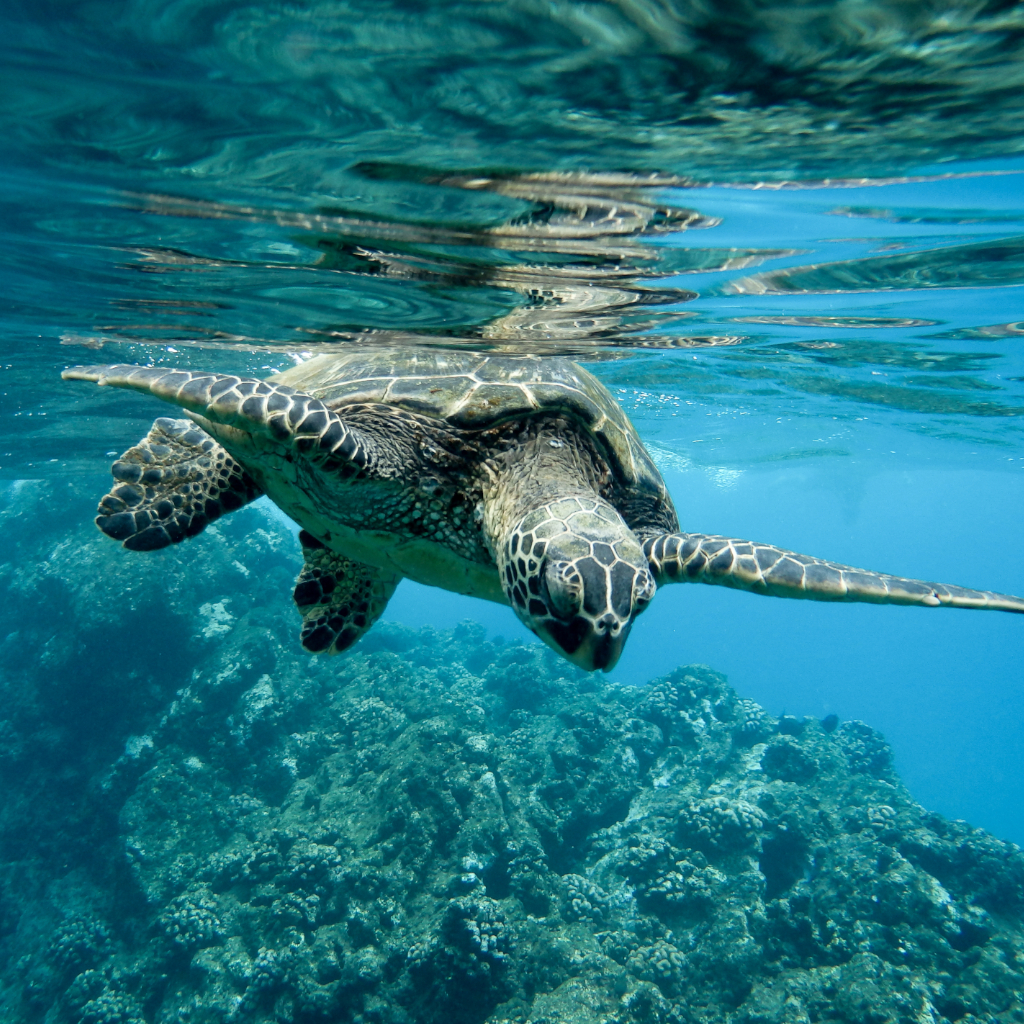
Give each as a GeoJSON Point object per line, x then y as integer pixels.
{"type": "Point", "coordinates": [518, 479]}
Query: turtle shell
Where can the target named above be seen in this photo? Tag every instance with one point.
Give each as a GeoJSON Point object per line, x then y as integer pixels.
{"type": "Point", "coordinates": [473, 391]}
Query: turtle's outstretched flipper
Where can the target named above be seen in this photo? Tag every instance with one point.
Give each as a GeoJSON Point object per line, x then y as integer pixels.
{"type": "Point", "coordinates": [339, 599]}
{"type": "Point", "coordinates": [174, 482]}
{"type": "Point", "coordinates": [763, 569]}
{"type": "Point", "coordinates": [246, 403]}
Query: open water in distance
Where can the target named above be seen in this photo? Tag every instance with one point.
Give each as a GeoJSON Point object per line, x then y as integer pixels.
{"type": "Point", "coordinates": [834, 366]}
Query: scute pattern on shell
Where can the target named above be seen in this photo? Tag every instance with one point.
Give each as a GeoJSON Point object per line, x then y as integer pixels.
{"type": "Point", "coordinates": [473, 391]}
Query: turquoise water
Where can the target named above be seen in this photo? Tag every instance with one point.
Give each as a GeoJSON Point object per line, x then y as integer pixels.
{"type": "Point", "coordinates": [807, 296]}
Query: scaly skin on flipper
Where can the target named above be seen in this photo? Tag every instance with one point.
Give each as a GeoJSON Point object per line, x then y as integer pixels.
{"type": "Point", "coordinates": [339, 599]}
{"type": "Point", "coordinates": [763, 569]}
{"type": "Point", "coordinates": [256, 406]}
{"type": "Point", "coordinates": [170, 486]}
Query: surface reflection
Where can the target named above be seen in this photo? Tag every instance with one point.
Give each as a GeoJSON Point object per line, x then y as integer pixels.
{"type": "Point", "coordinates": [571, 264]}
{"type": "Point", "coordinates": [979, 264]}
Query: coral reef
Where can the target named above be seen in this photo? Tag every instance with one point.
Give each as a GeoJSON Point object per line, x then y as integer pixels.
{"type": "Point", "coordinates": [211, 826]}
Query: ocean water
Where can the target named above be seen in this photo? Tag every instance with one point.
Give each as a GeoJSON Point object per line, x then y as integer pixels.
{"type": "Point", "coordinates": [789, 239]}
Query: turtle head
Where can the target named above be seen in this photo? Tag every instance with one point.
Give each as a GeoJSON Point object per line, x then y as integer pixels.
{"type": "Point", "coordinates": [577, 576]}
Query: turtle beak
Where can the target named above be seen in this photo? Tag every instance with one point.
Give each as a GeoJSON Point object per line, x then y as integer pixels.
{"type": "Point", "coordinates": [605, 647]}
{"type": "Point", "coordinates": [587, 645]}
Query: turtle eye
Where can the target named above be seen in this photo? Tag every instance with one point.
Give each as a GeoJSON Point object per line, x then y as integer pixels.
{"type": "Point", "coordinates": [643, 590]}
{"type": "Point", "coordinates": [564, 589]}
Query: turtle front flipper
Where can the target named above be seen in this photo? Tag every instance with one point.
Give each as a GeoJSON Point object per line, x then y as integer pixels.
{"type": "Point", "coordinates": [339, 599]}
{"type": "Point", "coordinates": [257, 407]}
{"type": "Point", "coordinates": [763, 569]}
{"type": "Point", "coordinates": [170, 486]}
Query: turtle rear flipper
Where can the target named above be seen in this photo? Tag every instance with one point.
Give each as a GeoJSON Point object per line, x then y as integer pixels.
{"type": "Point", "coordinates": [764, 569]}
{"type": "Point", "coordinates": [170, 486]}
{"type": "Point", "coordinates": [339, 599]}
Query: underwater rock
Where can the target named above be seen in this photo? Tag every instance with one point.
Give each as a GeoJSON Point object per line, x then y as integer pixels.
{"type": "Point", "coordinates": [441, 828]}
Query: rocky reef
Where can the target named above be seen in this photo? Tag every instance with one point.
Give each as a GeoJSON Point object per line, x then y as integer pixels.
{"type": "Point", "coordinates": [200, 823]}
